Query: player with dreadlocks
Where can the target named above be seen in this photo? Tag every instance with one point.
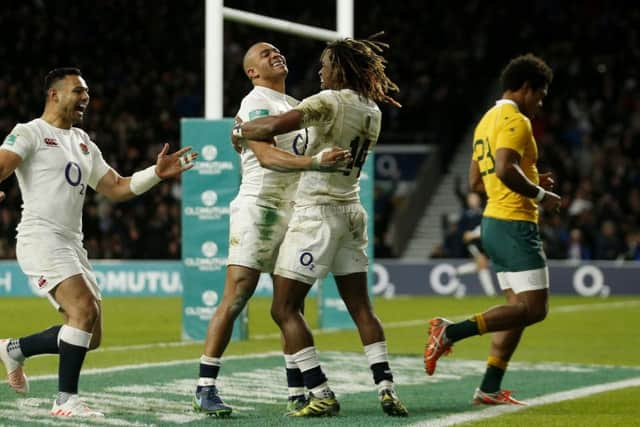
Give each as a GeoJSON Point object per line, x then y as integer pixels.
{"type": "Point", "coordinates": [328, 230]}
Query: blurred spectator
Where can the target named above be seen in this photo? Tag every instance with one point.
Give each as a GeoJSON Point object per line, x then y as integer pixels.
{"type": "Point", "coordinates": [146, 72]}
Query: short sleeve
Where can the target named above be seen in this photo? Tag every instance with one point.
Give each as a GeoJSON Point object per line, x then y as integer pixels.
{"type": "Point", "coordinates": [20, 141]}
{"type": "Point", "coordinates": [253, 108]}
{"type": "Point", "coordinates": [319, 109]}
{"type": "Point", "coordinates": [515, 135]}
{"type": "Point", "coordinates": [99, 166]}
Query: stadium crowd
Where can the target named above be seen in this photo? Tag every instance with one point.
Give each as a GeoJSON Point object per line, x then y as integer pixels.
{"type": "Point", "coordinates": [145, 70]}
{"type": "Point", "coordinates": [588, 134]}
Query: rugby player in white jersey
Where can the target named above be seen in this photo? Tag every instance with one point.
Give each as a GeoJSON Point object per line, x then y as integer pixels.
{"type": "Point", "coordinates": [258, 217]}
{"type": "Point", "coordinates": [328, 230]}
{"type": "Point", "coordinates": [55, 163]}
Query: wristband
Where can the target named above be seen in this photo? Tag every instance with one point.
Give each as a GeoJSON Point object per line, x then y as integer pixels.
{"type": "Point", "coordinates": [540, 195]}
{"type": "Point", "coordinates": [315, 161]}
{"type": "Point", "coordinates": [237, 130]}
{"type": "Point", "coordinates": [144, 180]}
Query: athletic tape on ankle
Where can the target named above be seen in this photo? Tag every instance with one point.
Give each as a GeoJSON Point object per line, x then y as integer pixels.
{"type": "Point", "coordinates": [212, 361]}
{"type": "Point", "coordinates": [306, 359]}
{"type": "Point", "coordinates": [289, 362]}
{"type": "Point", "coordinates": [482, 324]}
{"type": "Point", "coordinates": [497, 362]}
{"type": "Point", "coordinates": [144, 180]}
{"type": "Point", "coordinates": [376, 352]}
{"type": "Point", "coordinates": [74, 336]}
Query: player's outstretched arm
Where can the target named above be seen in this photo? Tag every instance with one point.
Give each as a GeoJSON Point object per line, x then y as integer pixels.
{"type": "Point", "coordinates": [265, 128]}
{"type": "Point", "coordinates": [118, 188]}
{"type": "Point", "coordinates": [276, 159]}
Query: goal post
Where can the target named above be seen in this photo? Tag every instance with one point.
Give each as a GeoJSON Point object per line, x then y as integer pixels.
{"type": "Point", "coordinates": [216, 13]}
{"type": "Point", "coordinates": [207, 190]}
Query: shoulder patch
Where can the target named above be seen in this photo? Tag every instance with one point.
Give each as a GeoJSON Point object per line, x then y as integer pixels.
{"type": "Point", "coordinates": [258, 113]}
{"type": "Point", "coordinates": [10, 140]}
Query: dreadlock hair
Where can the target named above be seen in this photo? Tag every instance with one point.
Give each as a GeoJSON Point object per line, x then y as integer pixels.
{"type": "Point", "coordinates": [358, 65]}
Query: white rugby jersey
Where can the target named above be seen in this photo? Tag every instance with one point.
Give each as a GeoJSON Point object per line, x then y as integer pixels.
{"type": "Point", "coordinates": [344, 119]}
{"type": "Point", "coordinates": [57, 166]}
{"type": "Point", "coordinates": [271, 187]}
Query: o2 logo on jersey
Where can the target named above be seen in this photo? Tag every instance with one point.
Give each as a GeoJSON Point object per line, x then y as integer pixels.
{"type": "Point", "coordinates": [306, 259]}
{"type": "Point", "coordinates": [300, 140]}
{"type": "Point", "coordinates": [73, 174]}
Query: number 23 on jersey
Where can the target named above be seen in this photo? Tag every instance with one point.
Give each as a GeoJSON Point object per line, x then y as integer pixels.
{"type": "Point", "coordinates": [482, 154]}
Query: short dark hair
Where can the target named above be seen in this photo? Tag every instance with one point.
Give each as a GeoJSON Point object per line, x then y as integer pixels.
{"type": "Point", "coordinates": [526, 68]}
{"type": "Point", "coordinates": [58, 74]}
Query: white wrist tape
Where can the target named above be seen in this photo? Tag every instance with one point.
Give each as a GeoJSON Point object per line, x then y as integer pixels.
{"type": "Point", "coordinates": [237, 130]}
{"type": "Point", "coordinates": [316, 162]}
{"type": "Point", "coordinates": [144, 180]}
{"type": "Point", "coordinates": [540, 195]}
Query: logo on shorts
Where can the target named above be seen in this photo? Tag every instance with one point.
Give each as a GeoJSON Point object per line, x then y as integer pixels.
{"type": "Point", "coordinates": [42, 282]}
{"type": "Point", "coordinates": [51, 142]}
{"type": "Point", "coordinates": [306, 259]}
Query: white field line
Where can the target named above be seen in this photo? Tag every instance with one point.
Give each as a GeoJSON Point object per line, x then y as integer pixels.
{"type": "Point", "coordinates": [495, 411]}
{"type": "Point", "coordinates": [387, 325]}
{"type": "Point", "coordinates": [450, 420]}
{"type": "Point", "coordinates": [98, 371]}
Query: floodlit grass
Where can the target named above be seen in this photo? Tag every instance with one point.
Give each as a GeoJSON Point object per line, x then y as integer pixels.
{"type": "Point", "coordinates": [577, 330]}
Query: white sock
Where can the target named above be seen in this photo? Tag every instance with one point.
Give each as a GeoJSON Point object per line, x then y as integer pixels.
{"type": "Point", "coordinates": [63, 397]}
{"type": "Point", "coordinates": [384, 385]}
{"type": "Point", "coordinates": [212, 361]}
{"type": "Point", "coordinates": [376, 352]}
{"type": "Point", "coordinates": [290, 363]}
{"type": "Point", "coordinates": [306, 359]}
{"type": "Point", "coordinates": [322, 391]}
{"type": "Point", "coordinates": [74, 336]}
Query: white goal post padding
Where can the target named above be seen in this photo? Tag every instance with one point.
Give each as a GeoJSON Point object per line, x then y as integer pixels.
{"type": "Point", "coordinates": [216, 13]}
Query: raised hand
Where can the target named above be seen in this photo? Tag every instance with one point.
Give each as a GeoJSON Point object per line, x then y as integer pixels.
{"type": "Point", "coordinates": [546, 181]}
{"type": "Point", "coordinates": [235, 140]}
{"type": "Point", "coordinates": [172, 165]}
{"type": "Point", "coordinates": [331, 159]}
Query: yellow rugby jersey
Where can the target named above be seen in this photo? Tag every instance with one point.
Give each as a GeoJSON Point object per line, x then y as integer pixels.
{"type": "Point", "coordinates": [504, 126]}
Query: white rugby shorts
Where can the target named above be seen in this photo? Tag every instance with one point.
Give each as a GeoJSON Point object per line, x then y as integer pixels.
{"type": "Point", "coordinates": [255, 233]}
{"type": "Point", "coordinates": [522, 281]}
{"type": "Point", "coordinates": [324, 239]}
{"type": "Point", "coordinates": [51, 258]}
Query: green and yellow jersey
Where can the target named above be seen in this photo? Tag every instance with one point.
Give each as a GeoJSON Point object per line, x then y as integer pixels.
{"type": "Point", "coordinates": [504, 126]}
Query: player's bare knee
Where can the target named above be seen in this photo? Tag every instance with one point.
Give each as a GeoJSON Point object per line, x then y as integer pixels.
{"type": "Point", "coordinates": [238, 303]}
{"type": "Point", "coordinates": [277, 314]}
{"type": "Point", "coordinates": [85, 314]}
{"type": "Point", "coordinates": [538, 313]}
{"type": "Point", "coordinates": [535, 313]}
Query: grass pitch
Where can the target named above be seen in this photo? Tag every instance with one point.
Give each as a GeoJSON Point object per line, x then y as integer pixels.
{"type": "Point", "coordinates": [599, 332]}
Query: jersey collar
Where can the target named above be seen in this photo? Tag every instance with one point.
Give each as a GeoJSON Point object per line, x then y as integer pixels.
{"type": "Point", "coordinates": [270, 93]}
{"type": "Point", "coordinates": [507, 101]}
